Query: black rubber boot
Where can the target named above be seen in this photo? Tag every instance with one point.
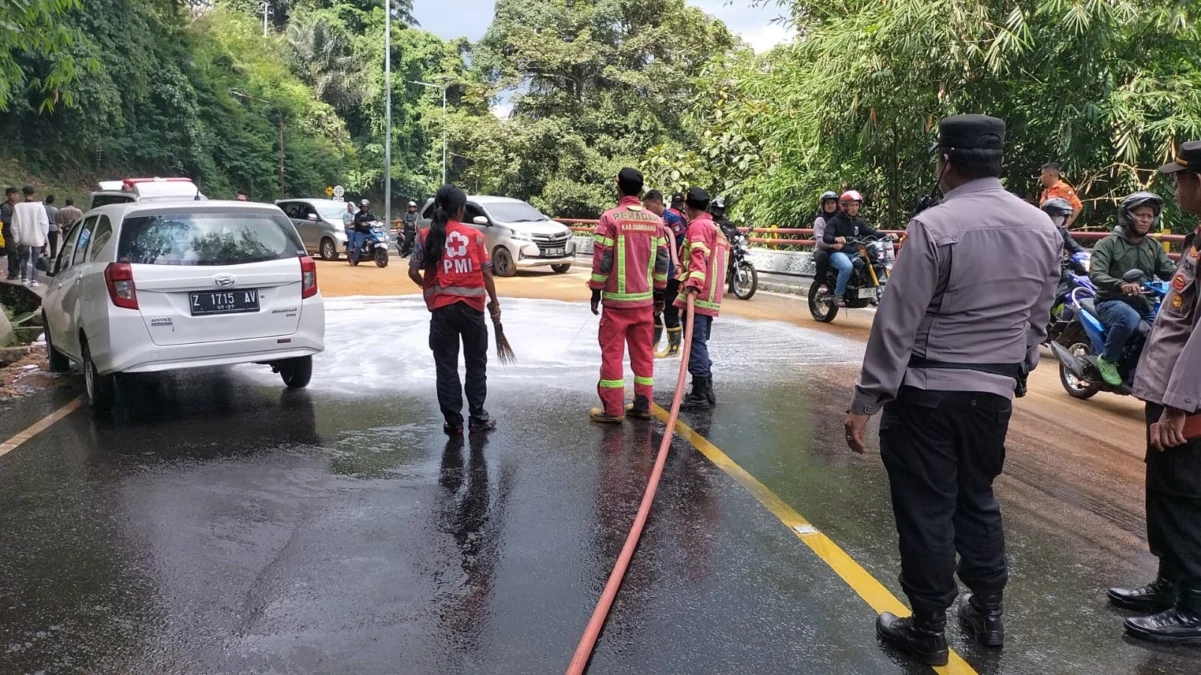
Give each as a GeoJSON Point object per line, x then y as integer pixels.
{"type": "Point", "coordinates": [698, 398]}
{"type": "Point", "coordinates": [640, 409]}
{"type": "Point", "coordinates": [709, 393]}
{"type": "Point", "coordinates": [658, 336]}
{"type": "Point", "coordinates": [1179, 625]}
{"type": "Point", "coordinates": [1157, 596]}
{"type": "Point", "coordinates": [980, 616]}
{"type": "Point", "coordinates": [922, 636]}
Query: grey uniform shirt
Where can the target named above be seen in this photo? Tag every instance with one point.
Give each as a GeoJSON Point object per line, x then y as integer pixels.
{"type": "Point", "coordinates": [1169, 371]}
{"type": "Point", "coordinates": [52, 216]}
{"type": "Point", "coordinates": [974, 283]}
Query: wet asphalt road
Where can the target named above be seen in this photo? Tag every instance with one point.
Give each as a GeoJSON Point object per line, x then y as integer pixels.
{"type": "Point", "coordinates": [219, 524]}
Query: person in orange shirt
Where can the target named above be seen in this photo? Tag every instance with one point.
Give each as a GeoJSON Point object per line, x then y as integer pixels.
{"type": "Point", "coordinates": [1054, 186]}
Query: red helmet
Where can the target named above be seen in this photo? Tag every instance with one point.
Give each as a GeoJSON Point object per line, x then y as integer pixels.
{"type": "Point", "coordinates": [850, 196]}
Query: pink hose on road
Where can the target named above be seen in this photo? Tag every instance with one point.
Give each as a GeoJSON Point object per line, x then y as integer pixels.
{"type": "Point", "coordinates": [579, 662]}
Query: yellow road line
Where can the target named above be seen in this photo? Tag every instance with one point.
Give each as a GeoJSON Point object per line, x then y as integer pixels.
{"type": "Point", "coordinates": [872, 591]}
{"type": "Point", "coordinates": [39, 426]}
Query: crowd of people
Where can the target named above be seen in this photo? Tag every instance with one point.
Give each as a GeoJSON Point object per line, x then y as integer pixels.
{"type": "Point", "coordinates": [30, 230]}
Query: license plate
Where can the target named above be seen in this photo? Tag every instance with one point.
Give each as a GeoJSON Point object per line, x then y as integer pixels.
{"type": "Point", "coordinates": [225, 302]}
{"type": "Point", "coordinates": [867, 293]}
{"type": "Point", "coordinates": [554, 252]}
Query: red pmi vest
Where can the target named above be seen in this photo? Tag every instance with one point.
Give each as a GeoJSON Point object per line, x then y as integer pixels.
{"type": "Point", "coordinates": [459, 274]}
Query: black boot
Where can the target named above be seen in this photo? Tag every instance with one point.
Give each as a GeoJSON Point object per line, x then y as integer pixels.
{"type": "Point", "coordinates": [1157, 596]}
{"type": "Point", "coordinates": [980, 616]}
{"type": "Point", "coordinates": [658, 336]}
{"type": "Point", "coordinates": [922, 635]}
{"type": "Point", "coordinates": [709, 393]}
{"type": "Point", "coordinates": [1179, 625]}
{"type": "Point", "coordinates": [698, 398]}
{"type": "Point", "coordinates": [640, 409]}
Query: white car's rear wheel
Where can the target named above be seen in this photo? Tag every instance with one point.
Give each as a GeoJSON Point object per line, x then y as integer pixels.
{"type": "Point", "coordinates": [297, 372]}
{"type": "Point", "coordinates": [59, 363]}
{"type": "Point", "coordinates": [102, 389]}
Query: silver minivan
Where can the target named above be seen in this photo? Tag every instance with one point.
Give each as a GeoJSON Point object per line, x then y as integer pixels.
{"type": "Point", "coordinates": [517, 235]}
{"type": "Point", "coordinates": [319, 222]}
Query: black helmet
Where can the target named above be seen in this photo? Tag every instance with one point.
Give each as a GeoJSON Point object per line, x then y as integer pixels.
{"type": "Point", "coordinates": [1126, 220]}
{"type": "Point", "coordinates": [1057, 206]}
{"type": "Point", "coordinates": [717, 207]}
{"type": "Point", "coordinates": [828, 195]}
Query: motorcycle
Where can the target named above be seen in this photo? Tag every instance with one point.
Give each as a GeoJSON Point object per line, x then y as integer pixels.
{"type": "Point", "coordinates": [405, 242]}
{"type": "Point", "coordinates": [1078, 346]}
{"type": "Point", "coordinates": [873, 259]}
{"type": "Point", "coordinates": [1076, 277]}
{"type": "Point", "coordinates": [742, 275]}
{"type": "Point", "coordinates": [375, 245]}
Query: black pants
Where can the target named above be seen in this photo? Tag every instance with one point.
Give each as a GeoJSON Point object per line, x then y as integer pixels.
{"type": "Point", "coordinates": [52, 251]}
{"type": "Point", "coordinates": [447, 326]}
{"type": "Point", "coordinates": [942, 451]}
{"type": "Point", "coordinates": [10, 250]}
{"type": "Point", "coordinates": [821, 260]}
{"type": "Point", "coordinates": [1174, 506]}
{"type": "Point", "coordinates": [671, 313]}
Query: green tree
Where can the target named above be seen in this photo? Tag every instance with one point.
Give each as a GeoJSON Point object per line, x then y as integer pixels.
{"type": "Point", "coordinates": [34, 29]}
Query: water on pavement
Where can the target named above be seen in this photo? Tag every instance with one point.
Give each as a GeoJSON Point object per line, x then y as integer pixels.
{"type": "Point", "coordinates": [217, 523]}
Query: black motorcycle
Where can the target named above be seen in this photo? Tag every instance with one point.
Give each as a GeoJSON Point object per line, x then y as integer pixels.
{"type": "Point", "coordinates": [742, 275]}
{"type": "Point", "coordinates": [873, 258]}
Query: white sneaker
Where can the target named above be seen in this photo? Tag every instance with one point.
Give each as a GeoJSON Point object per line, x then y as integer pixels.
{"type": "Point", "coordinates": [34, 284]}
{"type": "Point", "coordinates": [24, 282]}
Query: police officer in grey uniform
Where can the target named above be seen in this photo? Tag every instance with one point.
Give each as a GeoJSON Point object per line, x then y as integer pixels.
{"type": "Point", "coordinates": [1168, 378]}
{"type": "Point", "coordinates": [957, 330]}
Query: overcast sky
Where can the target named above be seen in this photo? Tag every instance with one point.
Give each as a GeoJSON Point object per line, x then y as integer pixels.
{"type": "Point", "coordinates": [470, 18]}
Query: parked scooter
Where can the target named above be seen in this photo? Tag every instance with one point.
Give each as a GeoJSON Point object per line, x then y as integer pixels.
{"type": "Point", "coordinates": [1084, 338]}
{"type": "Point", "coordinates": [375, 245]}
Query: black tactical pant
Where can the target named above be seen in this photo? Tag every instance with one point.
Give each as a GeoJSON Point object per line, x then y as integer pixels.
{"type": "Point", "coordinates": [449, 325]}
{"type": "Point", "coordinates": [1174, 506]}
{"type": "Point", "coordinates": [671, 313]}
{"type": "Point", "coordinates": [821, 264]}
{"type": "Point", "coordinates": [11, 252]}
{"type": "Point", "coordinates": [942, 451]}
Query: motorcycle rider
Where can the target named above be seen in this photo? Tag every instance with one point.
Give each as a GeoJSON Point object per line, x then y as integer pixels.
{"type": "Point", "coordinates": [362, 227]}
{"type": "Point", "coordinates": [846, 223]}
{"type": "Point", "coordinates": [670, 316]}
{"type": "Point", "coordinates": [1060, 210]}
{"type": "Point", "coordinates": [1121, 305]}
{"type": "Point", "coordinates": [409, 229]}
{"type": "Point", "coordinates": [717, 209]}
{"type": "Point", "coordinates": [827, 207]}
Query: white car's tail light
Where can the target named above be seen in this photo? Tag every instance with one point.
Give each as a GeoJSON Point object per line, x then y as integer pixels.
{"type": "Point", "coordinates": [308, 277]}
{"type": "Point", "coordinates": [119, 279]}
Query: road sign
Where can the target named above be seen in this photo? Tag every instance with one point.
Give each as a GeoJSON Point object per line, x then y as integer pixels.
{"type": "Point", "coordinates": [329, 191]}
{"type": "Point", "coordinates": [339, 191]}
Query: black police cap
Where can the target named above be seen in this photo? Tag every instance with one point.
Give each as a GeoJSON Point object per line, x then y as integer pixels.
{"type": "Point", "coordinates": [630, 180]}
{"type": "Point", "coordinates": [677, 198]}
{"type": "Point", "coordinates": [1188, 158]}
{"type": "Point", "coordinates": [971, 132]}
{"type": "Point", "coordinates": [697, 198]}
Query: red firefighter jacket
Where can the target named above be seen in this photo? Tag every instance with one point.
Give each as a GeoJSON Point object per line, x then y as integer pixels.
{"type": "Point", "coordinates": [629, 256]}
{"type": "Point", "coordinates": [703, 265]}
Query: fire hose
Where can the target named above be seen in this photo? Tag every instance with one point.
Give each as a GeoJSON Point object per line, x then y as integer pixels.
{"type": "Point", "coordinates": [579, 662]}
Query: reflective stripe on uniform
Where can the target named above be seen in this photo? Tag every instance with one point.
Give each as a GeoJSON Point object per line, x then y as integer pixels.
{"type": "Point", "coordinates": [612, 384]}
{"type": "Point", "coordinates": [650, 268]}
{"type": "Point", "coordinates": [600, 278]}
{"type": "Point", "coordinates": [602, 240]}
{"type": "Point", "coordinates": [621, 263]}
{"type": "Point", "coordinates": [699, 274]}
{"type": "Point", "coordinates": [718, 260]}
{"type": "Point", "coordinates": [707, 305]}
{"type": "Point", "coordinates": [456, 290]}
{"type": "Point", "coordinates": [702, 247]}
{"type": "Point", "coordinates": [661, 277]}
{"type": "Point", "coordinates": [648, 381]}
{"type": "Point", "coordinates": [628, 297]}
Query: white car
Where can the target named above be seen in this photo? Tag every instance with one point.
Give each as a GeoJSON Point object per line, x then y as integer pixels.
{"type": "Point", "coordinates": [152, 286]}
{"type": "Point", "coordinates": [517, 235]}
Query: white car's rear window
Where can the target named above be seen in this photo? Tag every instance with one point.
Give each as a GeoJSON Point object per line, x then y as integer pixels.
{"type": "Point", "coordinates": [207, 239]}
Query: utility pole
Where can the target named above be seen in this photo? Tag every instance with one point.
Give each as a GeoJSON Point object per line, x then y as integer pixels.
{"type": "Point", "coordinates": [442, 86]}
{"type": "Point", "coordinates": [266, 10]}
{"type": "Point", "coordinates": [280, 114]}
{"type": "Point", "coordinates": [388, 112]}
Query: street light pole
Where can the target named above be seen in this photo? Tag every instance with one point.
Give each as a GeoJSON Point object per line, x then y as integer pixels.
{"type": "Point", "coordinates": [388, 112]}
{"type": "Point", "coordinates": [280, 114]}
{"type": "Point", "coordinates": [443, 88]}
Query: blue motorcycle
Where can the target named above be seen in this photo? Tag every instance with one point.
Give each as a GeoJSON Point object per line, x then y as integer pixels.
{"type": "Point", "coordinates": [1075, 276]}
{"type": "Point", "coordinates": [374, 244]}
{"type": "Point", "coordinates": [1083, 339]}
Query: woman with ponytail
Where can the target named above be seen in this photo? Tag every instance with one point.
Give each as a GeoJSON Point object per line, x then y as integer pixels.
{"type": "Point", "coordinates": [450, 262]}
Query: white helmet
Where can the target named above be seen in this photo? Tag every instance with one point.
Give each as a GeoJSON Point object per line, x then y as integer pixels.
{"type": "Point", "coordinates": [412, 203]}
{"type": "Point", "coordinates": [365, 203]}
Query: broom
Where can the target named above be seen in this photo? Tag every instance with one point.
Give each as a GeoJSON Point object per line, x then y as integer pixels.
{"type": "Point", "coordinates": [504, 351]}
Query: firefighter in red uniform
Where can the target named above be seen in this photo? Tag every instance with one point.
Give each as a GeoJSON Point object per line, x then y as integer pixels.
{"type": "Point", "coordinates": [629, 272]}
{"type": "Point", "coordinates": [702, 273]}
{"type": "Point", "coordinates": [457, 274]}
